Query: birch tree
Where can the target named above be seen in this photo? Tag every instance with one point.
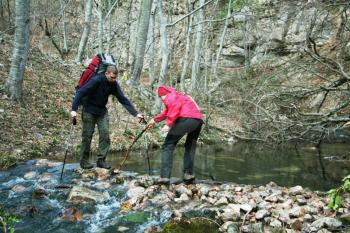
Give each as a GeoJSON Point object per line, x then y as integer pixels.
{"type": "Point", "coordinates": [86, 31]}
{"type": "Point", "coordinates": [152, 65]}
{"type": "Point", "coordinates": [165, 52]}
{"type": "Point", "coordinates": [197, 49]}
{"type": "Point", "coordinates": [187, 49]}
{"type": "Point", "coordinates": [100, 27]}
{"type": "Point", "coordinates": [64, 25]}
{"type": "Point", "coordinates": [221, 44]}
{"type": "Point", "coordinates": [141, 40]}
{"type": "Point", "coordinates": [20, 52]}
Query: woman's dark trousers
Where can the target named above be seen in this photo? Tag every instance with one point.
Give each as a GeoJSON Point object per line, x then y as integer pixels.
{"type": "Point", "coordinates": [182, 126]}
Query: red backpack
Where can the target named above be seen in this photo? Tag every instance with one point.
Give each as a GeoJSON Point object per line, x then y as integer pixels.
{"type": "Point", "coordinates": [97, 65]}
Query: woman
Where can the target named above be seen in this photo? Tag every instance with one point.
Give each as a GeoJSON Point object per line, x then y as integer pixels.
{"type": "Point", "coordinates": [182, 116]}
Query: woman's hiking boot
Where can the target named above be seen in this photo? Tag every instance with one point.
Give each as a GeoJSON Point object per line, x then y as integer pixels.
{"type": "Point", "coordinates": [188, 178]}
{"type": "Point", "coordinates": [101, 163]}
{"type": "Point", "coordinates": [165, 181]}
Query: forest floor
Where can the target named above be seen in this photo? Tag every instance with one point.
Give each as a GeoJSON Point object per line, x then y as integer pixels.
{"type": "Point", "coordinates": [39, 125]}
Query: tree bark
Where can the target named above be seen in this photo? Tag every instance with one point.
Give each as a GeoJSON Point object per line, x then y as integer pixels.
{"type": "Point", "coordinates": [222, 40]}
{"type": "Point", "coordinates": [100, 28]}
{"type": "Point", "coordinates": [197, 50]}
{"type": "Point", "coordinates": [165, 53]}
{"type": "Point", "coordinates": [86, 32]}
{"type": "Point", "coordinates": [127, 47]}
{"type": "Point", "coordinates": [152, 65]}
{"type": "Point", "coordinates": [20, 52]}
{"type": "Point", "coordinates": [141, 41]}
{"type": "Point", "coordinates": [187, 51]}
{"type": "Point", "coordinates": [108, 50]}
{"type": "Point", "coordinates": [64, 24]}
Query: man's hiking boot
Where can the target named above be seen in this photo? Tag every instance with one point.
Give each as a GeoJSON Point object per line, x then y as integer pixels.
{"type": "Point", "coordinates": [188, 178]}
{"type": "Point", "coordinates": [101, 163]}
{"type": "Point", "coordinates": [85, 164]}
{"type": "Point", "coordinates": [165, 181]}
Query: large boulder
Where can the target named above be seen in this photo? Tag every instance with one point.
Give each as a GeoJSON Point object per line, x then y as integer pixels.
{"type": "Point", "coordinates": [80, 194]}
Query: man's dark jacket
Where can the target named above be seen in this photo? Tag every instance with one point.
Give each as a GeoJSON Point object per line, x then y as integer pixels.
{"type": "Point", "coordinates": [97, 90]}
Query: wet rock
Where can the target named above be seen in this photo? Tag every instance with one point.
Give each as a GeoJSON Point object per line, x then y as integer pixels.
{"type": "Point", "coordinates": [122, 229]}
{"type": "Point", "coordinates": [80, 194]}
{"type": "Point", "coordinates": [261, 214]}
{"type": "Point", "coordinates": [101, 173]}
{"type": "Point", "coordinates": [326, 222]}
{"type": "Point", "coordinates": [152, 229]}
{"type": "Point", "coordinates": [191, 225]}
{"type": "Point", "coordinates": [221, 201]}
{"type": "Point", "coordinates": [136, 217]}
{"type": "Point", "coordinates": [308, 218]}
{"type": "Point", "coordinates": [181, 189]}
{"type": "Point", "coordinates": [18, 189]}
{"type": "Point", "coordinates": [183, 198]}
{"type": "Point", "coordinates": [118, 179]}
{"type": "Point", "coordinates": [102, 185]}
{"type": "Point", "coordinates": [47, 163]}
{"type": "Point", "coordinates": [136, 192]}
{"type": "Point", "coordinates": [296, 212]}
{"type": "Point", "coordinates": [297, 225]}
{"type": "Point", "coordinates": [45, 177]}
{"type": "Point", "coordinates": [253, 228]}
{"type": "Point", "coordinates": [345, 218]}
{"type": "Point", "coordinates": [203, 189]}
{"type": "Point", "coordinates": [146, 181]}
{"type": "Point", "coordinates": [296, 190]}
{"type": "Point", "coordinates": [228, 224]}
{"type": "Point", "coordinates": [71, 215]}
{"type": "Point", "coordinates": [30, 175]}
{"type": "Point", "coordinates": [280, 214]}
{"type": "Point", "coordinates": [301, 200]}
{"type": "Point", "coordinates": [276, 226]}
{"type": "Point", "coordinates": [39, 193]}
{"type": "Point", "coordinates": [230, 214]}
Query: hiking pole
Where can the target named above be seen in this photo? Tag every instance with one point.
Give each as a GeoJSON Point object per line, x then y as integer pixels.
{"type": "Point", "coordinates": [74, 122]}
{"type": "Point", "coordinates": [129, 149]}
{"type": "Point", "coordinates": [148, 161]}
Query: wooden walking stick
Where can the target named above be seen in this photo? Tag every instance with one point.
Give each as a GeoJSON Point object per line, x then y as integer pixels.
{"type": "Point", "coordinates": [118, 169]}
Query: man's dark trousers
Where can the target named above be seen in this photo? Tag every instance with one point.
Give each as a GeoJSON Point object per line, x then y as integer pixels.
{"type": "Point", "coordinates": [89, 122]}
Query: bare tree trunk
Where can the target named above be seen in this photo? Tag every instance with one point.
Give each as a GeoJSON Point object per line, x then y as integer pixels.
{"type": "Point", "coordinates": [1, 9]}
{"type": "Point", "coordinates": [108, 50]}
{"type": "Point", "coordinates": [20, 52]}
{"type": "Point", "coordinates": [186, 58]}
{"type": "Point", "coordinates": [129, 28]}
{"type": "Point", "coordinates": [64, 23]}
{"type": "Point", "coordinates": [100, 28]}
{"type": "Point", "coordinates": [152, 65]}
{"type": "Point", "coordinates": [197, 49]}
{"type": "Point", "coordinates": [142, 32]}
{"type": "Point", "coordinates": [164, 44]}
{"type": "Point", "coordinates": [246, 45]}
{"type": "Point", "coordinates": [222, 40]}
{"type": "Point", "coordinates": [165, 53]}
{"type": "Point", "coordinates": [86, 32]}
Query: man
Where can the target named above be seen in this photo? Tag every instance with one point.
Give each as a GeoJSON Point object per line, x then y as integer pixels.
{"type": "Point", "coordinates": [96, 92]}
{"type": "Point", "coordinates": [182, 117]}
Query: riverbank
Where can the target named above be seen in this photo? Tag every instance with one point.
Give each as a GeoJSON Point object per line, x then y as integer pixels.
{"type": "Point", "coordinates": [94, 200]}
{"type": "Point", "coordinates": [39, 125]}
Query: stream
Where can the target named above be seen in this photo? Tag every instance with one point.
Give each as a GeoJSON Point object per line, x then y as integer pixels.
{"type": "Point", "coordinates": [34, 192]}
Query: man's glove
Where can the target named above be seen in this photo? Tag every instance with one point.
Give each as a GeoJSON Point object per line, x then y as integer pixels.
{"type": "Point", "coordinates": [142, 118]}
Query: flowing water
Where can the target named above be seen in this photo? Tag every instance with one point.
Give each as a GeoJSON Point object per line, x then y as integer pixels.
{"type": "Point", "coordinates": [40, 199]}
